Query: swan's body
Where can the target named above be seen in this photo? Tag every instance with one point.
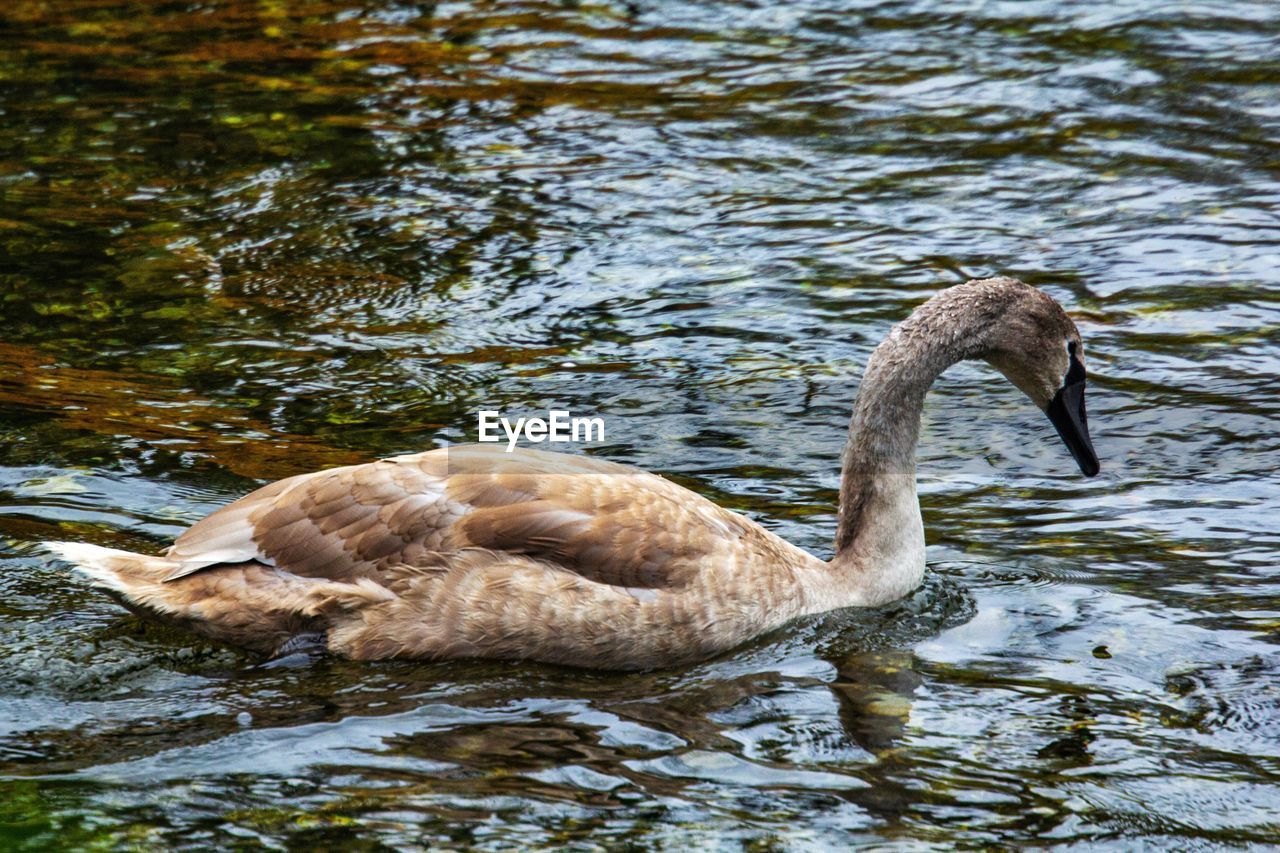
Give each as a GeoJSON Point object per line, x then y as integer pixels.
{"type": "Point", "coordinates": [469, 551]}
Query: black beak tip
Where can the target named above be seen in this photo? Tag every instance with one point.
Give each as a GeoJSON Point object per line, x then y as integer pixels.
{"type": "Point", "coordinates": [1067, 413]}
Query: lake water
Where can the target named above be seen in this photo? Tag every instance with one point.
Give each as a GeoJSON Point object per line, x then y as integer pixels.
{"type": "Point", "coordinates": [241, 240]}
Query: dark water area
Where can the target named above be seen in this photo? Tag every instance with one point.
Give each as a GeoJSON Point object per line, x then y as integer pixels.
{"type": "Point", "coordinates": [243, 240]}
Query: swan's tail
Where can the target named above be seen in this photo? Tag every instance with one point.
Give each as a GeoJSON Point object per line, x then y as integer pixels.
{"type": "Point", "coordinates": [108, 568]}
{"type": "Point", "coordinates": [249, 605]}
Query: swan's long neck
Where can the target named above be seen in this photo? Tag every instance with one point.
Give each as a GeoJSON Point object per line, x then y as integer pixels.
{"type": "Point", "coordinates": [879, 535]}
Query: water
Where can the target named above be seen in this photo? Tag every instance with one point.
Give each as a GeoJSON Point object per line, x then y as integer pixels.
{"type": "Point", "coordinates": [241, 240]}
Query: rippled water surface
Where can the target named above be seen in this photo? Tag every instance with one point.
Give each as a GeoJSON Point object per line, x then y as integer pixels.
{"type": "Point", "coordinates": [241, 240]}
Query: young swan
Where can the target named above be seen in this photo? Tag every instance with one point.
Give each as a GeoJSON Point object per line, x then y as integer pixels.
{"type": "Point", "coordinates": [468, 551]}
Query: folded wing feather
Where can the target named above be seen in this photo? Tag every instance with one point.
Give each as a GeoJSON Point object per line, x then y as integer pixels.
{"type": "Point", "coordinates": [603, 521]}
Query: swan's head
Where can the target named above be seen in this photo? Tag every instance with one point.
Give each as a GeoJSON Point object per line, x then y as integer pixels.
{"type": "Point", "coordinates": [1036, 346]}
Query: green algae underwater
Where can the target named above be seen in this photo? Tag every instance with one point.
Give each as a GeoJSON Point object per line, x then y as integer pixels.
{"type": "Point", "coordinates": [243, 240]}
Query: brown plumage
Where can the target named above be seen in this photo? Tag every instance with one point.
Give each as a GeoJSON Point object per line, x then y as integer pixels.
{"type": "Point", "coordinates": [470, 551]}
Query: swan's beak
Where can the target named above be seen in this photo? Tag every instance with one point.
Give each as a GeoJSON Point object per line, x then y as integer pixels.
{"type": "Point", "coordinates": [1067, 413]}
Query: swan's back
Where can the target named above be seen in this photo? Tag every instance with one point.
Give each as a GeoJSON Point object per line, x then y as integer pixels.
{"type": "Point", "coordinates": [607, 522]}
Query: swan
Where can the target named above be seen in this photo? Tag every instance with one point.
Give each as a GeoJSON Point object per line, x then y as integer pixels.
{"type": "Point", "coordinates": [470, 551]}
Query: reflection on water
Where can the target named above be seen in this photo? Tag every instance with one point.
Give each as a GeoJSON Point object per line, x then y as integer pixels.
{"type": "Point", "coordinates": [244, 240]}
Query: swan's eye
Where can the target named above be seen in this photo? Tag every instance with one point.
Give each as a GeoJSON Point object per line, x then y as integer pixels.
{"type": "Point", "coordinates": [1075, 370]}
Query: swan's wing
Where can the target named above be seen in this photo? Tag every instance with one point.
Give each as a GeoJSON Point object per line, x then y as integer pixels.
{"type": "Point", "coordinates": [604, 521]}
{"type": "Point", "coordinates": [336, 524]}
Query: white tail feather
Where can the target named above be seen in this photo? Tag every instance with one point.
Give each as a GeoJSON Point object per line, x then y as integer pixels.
{"type": "Point", "coordinates": [109, 567]}
{"type": "Point", "coordinates": [84, 555]}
